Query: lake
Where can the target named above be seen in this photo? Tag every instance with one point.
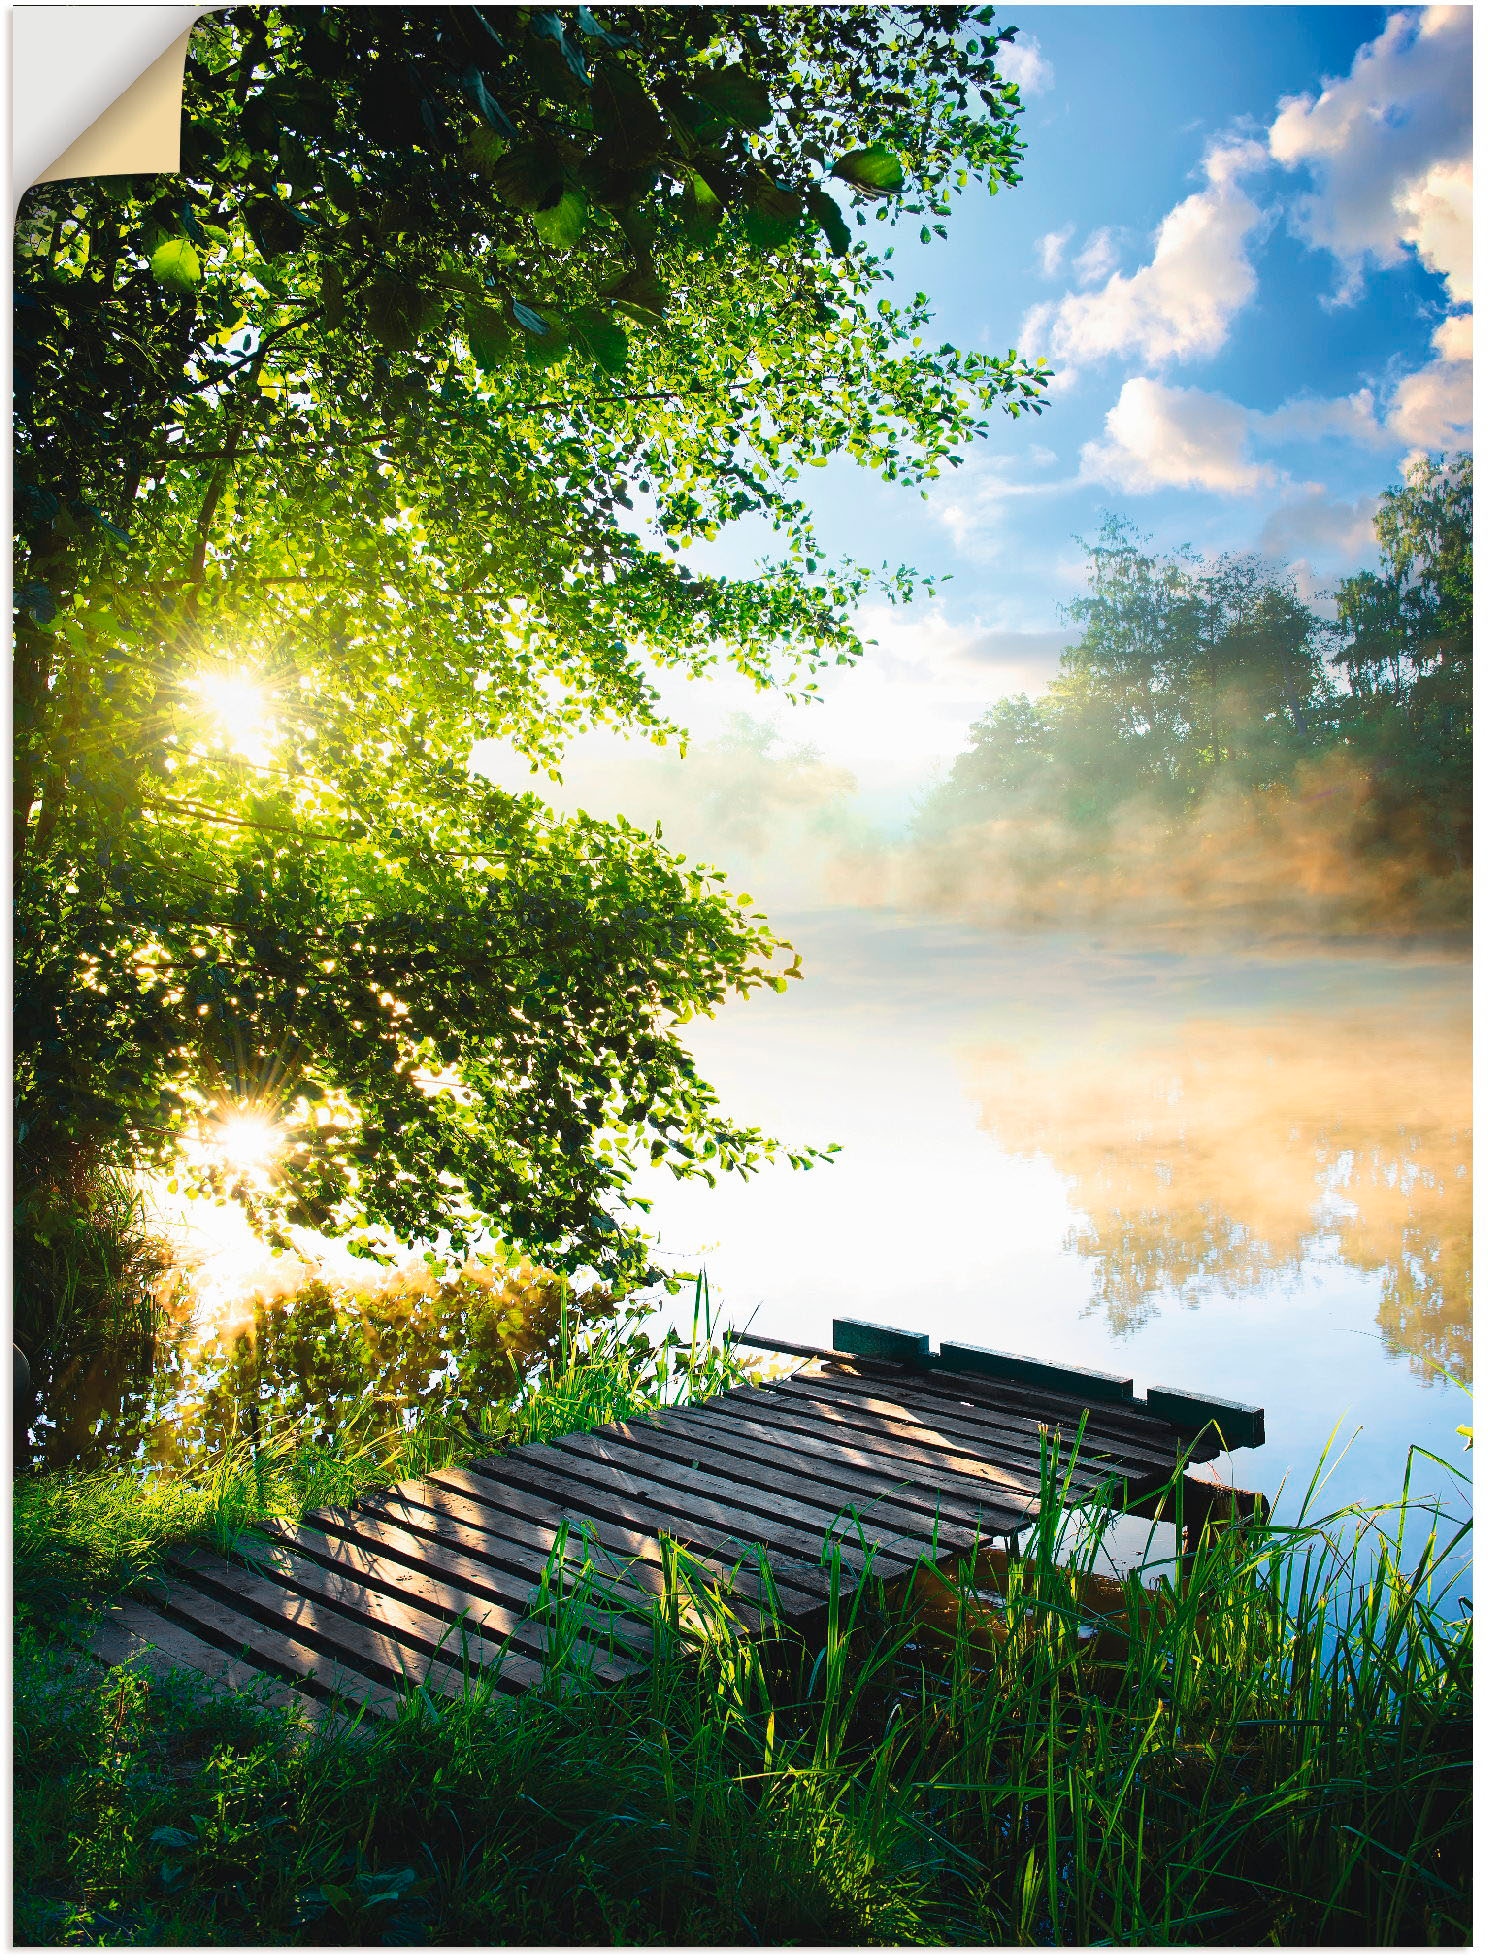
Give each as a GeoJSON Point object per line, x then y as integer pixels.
{"type": "Point", "coordinates": [1241, 1173]}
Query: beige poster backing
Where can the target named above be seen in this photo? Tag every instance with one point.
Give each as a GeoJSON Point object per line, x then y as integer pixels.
{"type": "Point", "coordinates": [140, 133]}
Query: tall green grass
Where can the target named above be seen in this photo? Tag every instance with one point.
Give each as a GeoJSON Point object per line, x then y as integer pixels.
{"type": "Point", "coordinates": [1267, 1745]}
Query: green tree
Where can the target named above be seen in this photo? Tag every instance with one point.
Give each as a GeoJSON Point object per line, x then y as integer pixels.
{"type": "Point", "coordinates": [1405, 647]}
{"type": "Point", "coordinates": [379, 431]}
{"type": "Point", "coordinates": [1185, 673]}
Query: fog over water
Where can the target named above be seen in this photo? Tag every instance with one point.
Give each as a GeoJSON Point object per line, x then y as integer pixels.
{"type": "Point", "coordinates": [1197, 1143]}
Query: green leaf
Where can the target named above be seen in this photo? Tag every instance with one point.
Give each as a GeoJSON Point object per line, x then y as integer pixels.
{"type": "Point", "coordinates": [827, 213]}
{"type": "Point", "coordinates": [528, 318]}
{"type": "Point", "coordinates": [275, 229]}
{"type": "Point", "coordinates": [627, 121]}
{"type": "Point", "coordinates": [733, 94]}
{"type": "Point", "coordinates": [590, 26]}
{"type": "Point", "coordinates": [640, 289]}
{"type": "Point", "coordinates": [528, 178]}
{"type": "Point", "coordinates": [487, 104]}
{"type": "Point", "coordinates": [702, 211]}
{"type": "Point", "coordinates": [875, 171]}
{"type": "Point", "coordinates": [771, 216]}
{"type": "Point", "coordinates": [489, 333]}
{"type": "Point", "coordinates": [562, 224]}
{"type": "Point", "coordinates": [603, 338]}
{"type": "Point", "coordinates": [545, 353]}
{"type": "Point", "coordinates": [398, 313]}
{"type": "Point", "coordinates": [547, 26]}
{"type": "Point", "coordinates": [37, 601]}
{"type": "Point", "coordinates": [175, 264]}
{"type": "Point", "coordinates": [170, 1835]}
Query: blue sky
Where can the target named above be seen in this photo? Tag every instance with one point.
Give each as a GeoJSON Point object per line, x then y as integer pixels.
{"type": "Point", "coordinates": [1243, 240]}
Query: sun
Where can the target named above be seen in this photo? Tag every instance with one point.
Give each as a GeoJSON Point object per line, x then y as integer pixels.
{"type": "Point", "coordinates": [240, 708]}
{"type": "Point", "coordinates": [246, 1141]}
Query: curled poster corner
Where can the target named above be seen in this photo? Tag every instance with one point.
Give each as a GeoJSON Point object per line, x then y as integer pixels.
{"type": "Point", "coordinates": [73, 59]}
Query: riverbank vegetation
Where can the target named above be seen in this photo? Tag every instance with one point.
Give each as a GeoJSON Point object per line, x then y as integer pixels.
{"type": "Point", "coordinates": [1219, 749]}
{"type": "Point", "coordinates": [1268, 1747]}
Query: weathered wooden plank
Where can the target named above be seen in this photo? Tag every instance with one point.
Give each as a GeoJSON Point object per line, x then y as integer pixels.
{"type": "Point", "coordinates": [373, 1600]}
{"type": "Point", "coordinates": [741, 1506]}
{"type": "Point", "coordinates": [712, 1529]}
{"type": "Point", "coordinates": [468, 1614]}
{"type": "Point", "coordinates": [889, 1343]}
{"type": "Point", "coordinates": [883, 1418]}
{"type": "Point", "coordinates": [1086, 1384]}
{"type": "Point", "coordinates": [270, 1645]}
{"type": "Point", "coordinates": [1241, 1425]}
{"type": "Point", "coordinates": [1112, 1421]}
{"type": "Point", "coordinates": [1015, 1411]}
{"type": "Point", "coordinates": [131, 1634]}
{"type": "Point", "coordinates": [452, 1552]}
{"type": "Point", "coordinates": [993, 1435]}
{"type": "Point", "coordinates": [878, 1422]}
{"type": "Point", "coordinates": [773, 1456]}
{"type": "Point", "coordinates": [518, 1547]}
{"type": "Point", "coordinates": [431, 1512]}
{"type": "Point", "coordinates": [993, 1432]}
{"type": "Point", "coordinates": [692, 1466]}
{"type": "Point", "coordinates": [336, 1618]}
{"type": "Point", "coordinates": [556, 1504]}
{"type": "Point", "coordinates": [1133, 1420]}
{"type": "Point", "coordinates": [956, 1486]}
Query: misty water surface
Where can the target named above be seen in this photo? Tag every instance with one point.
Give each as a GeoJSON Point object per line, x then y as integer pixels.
{"type": "Point", "coordinates": [1216, 1170]}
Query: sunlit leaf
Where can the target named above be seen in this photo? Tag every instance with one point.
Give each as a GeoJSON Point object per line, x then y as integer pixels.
{"type": "Point", "coordinates": [562, 225]}
{"type": "Point", "coordinates": [175, 264]}
{"type": "Point", "coordinates": [733, 94]}
{"type": "Point", "coordinates": [875, 171]}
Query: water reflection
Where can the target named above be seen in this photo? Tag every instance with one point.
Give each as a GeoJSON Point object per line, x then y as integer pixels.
{"type": "Point", "coordinates": [1220, 1154]}
{"type": "Point", "coordinates": [316, 1359]}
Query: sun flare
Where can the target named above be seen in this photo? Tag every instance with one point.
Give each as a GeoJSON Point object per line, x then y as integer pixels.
{"type": "Point", "coordinates": [246, 1141]}
{"type": "Point", "coordinates": [240, 709]}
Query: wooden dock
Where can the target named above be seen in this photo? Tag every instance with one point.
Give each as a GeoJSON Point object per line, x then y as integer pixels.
{"type": "Point", "coordinates": [768, 1496]}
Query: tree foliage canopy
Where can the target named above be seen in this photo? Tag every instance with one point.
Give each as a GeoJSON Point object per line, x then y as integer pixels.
{"type": "Point", "coordinates": [379, 431]}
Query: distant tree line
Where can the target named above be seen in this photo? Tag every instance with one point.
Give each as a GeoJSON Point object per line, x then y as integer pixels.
{"type": "Point", "coordinates": [1191, 675]}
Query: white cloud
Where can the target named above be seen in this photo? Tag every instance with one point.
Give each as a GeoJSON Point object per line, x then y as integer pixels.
{"type": "Point", "coordinates": [1307, 418]}
{"type": "Point", "coordinates": [1020, 61]}
{"type": "Point", "coordinates": [1432, 408]}
{"type": "Point", "coordinates": [1160, 438]}
{"type": "Point", "coordinates": [1180, 304]}
{"type": "Point", "coordinates": [1050, 249]}
{"type": "Point", "coordinates": [1097, 258]}
{"type": "Point", "coordinates": [1437, 214]}
{"type": "Point", "coordinates": [1453, 339]}
{"type": "Point", "coordinates": [1389, 150]}
{"type": "Point", "coordinates": [1314, 526]}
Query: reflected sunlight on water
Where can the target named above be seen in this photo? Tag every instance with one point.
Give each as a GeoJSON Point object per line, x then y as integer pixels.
{"type": "Point", "coordinates": [1216, 1170]}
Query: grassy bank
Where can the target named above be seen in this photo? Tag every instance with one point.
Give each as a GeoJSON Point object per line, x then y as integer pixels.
{"type": "Point", "coordinates": [1273, 1751]}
